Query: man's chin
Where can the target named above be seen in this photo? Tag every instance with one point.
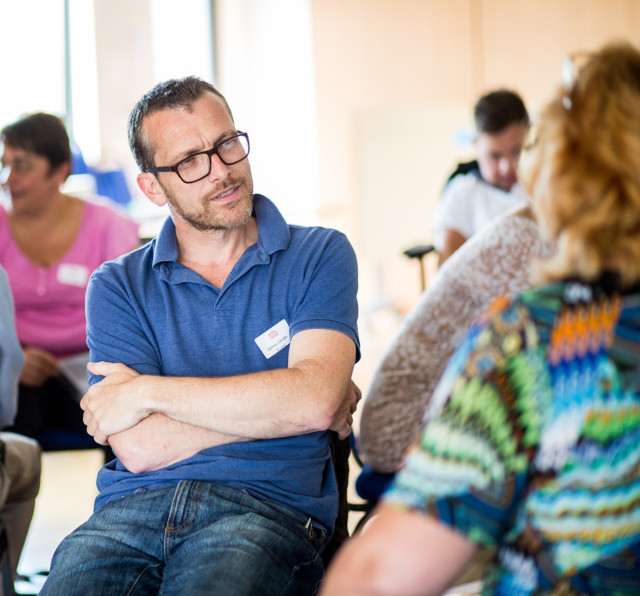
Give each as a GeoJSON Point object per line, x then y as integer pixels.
{"type": "Point", "coordinates": [506, 186]}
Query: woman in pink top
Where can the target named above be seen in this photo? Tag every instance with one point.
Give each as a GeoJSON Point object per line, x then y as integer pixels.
{"type": "Point", "coordinates": [50, 243]}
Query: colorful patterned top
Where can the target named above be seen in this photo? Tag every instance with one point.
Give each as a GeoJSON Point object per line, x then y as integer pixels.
{"type": "Point", "coordinates": [532, 442]}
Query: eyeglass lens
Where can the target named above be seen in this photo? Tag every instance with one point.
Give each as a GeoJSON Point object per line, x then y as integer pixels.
{"type": "Point", "coordinates": [198, 166]}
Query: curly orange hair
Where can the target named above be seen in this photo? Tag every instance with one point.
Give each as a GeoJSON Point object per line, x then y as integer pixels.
{"type": "Point", "coordinates": [583, 173]}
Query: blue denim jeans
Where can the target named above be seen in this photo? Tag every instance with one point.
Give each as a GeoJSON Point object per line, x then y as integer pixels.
{"type": "Point", "coordinates": [190, 539]}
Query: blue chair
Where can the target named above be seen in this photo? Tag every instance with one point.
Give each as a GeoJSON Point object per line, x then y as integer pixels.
{"type": "Point", "coordinates": [369, 486]}
{"type": "Point", "coordinates": [110, 182]}
{"type": "Point", "coordinates": [113, 184]}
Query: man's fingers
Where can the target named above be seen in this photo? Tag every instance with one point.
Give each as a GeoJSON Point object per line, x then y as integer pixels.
{"type": "Point", "coordinates": [98, 437]}
{"type": "Point", "coordinates": [354, 405]}
{"type": "Point", "coordinates": [343, 434]}
{"type": "Point", "coordinates": [102, 439]}
{"type": "Point", "coordinates": [93, 430]}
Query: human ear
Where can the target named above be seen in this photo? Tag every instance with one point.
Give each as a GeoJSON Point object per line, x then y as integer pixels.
{"type": "Point", "coordinates": [61, 172]}
{"type": "Point", "coordinates": [150, 186]}
{"type": "Point", "coordinates": [65, 169]}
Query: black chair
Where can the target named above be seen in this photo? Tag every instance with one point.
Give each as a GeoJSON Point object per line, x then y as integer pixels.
{"type": "Point", "coordinates": [369, 486]}
{"type": "Point", "coordinates": [419, 252]}
{"type": "Point", "coordinates": [59, 439]}
{"type": "Point", "coordinates": [340, 451]}
{"type": "Point", "coordinates": [464, 168]}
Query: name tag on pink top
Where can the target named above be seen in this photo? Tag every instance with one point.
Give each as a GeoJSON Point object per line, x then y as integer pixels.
{"type": "Point", "coordinates": [274, 339]}
{"type": "Point", "coordinates": [73, 275]}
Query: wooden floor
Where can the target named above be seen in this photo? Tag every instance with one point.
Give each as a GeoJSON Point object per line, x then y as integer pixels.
{"type": "Point", "coordinates": [67, 492]}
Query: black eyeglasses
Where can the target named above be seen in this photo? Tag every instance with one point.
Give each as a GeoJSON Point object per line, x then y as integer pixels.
{"type": "Point", "coordinates": [198, 166]}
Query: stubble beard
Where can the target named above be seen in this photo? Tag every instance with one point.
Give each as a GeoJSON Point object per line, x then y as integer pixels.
{"type": "Point", "coordinates": [216, 217]}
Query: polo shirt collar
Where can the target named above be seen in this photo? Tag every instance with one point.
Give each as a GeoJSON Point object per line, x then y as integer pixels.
{"type": "Point", "coordinates": [273, 233]}
{"type": "Point", "coordinates": [273, 230]}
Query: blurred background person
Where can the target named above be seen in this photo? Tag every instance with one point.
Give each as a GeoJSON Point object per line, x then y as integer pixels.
{"type": "Point", "coordinates": [531, 445]}
{"type": "Point", "coordinates": [495, 261]}
{"type": "Point", "coordinates": [50, 243]}
{"type": "Point", "coordinates": [480, 190]}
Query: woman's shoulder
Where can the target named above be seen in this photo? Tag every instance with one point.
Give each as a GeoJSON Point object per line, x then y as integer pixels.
{"type": "Point", "coordinates": [103, 215]}
{"type": "Point", "coordinates": [6, 238]}
{"type": "Point", "coordinates": [107, 229]}
{"type": "Point", "coordinates": [497, 259]}
{"type": "Point", "coordinates": [99, 207]}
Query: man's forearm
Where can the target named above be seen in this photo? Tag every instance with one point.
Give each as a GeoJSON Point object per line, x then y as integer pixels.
{"type": "Point", "coordinates": [158, 441]}
{"type": "Point", "coordinates": [274, 403]}
{"type": "Point", "coordinates": [297, 400]}
{"type": "Point", "coordinates": [314, 393]}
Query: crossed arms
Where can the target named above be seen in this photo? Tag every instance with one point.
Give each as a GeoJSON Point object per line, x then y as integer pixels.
{"type": "Point", "coordinates": [153, 421]}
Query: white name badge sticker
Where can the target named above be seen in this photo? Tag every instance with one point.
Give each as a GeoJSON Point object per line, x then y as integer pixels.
{"type": "Point", "coordinates": [274, 340]}
{"type": "Point", "coordinates": [73, 275]}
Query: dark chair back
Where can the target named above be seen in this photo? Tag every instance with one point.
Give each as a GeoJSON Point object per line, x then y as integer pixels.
{"type": "Point", "coordinates": [6, 583]}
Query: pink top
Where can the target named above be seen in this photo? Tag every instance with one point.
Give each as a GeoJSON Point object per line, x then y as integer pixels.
{"type": "Point", "coordinates": [50, 300]}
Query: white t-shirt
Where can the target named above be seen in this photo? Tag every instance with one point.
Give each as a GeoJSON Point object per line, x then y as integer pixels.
{"type": "Point", "coordinates": [468, 204]}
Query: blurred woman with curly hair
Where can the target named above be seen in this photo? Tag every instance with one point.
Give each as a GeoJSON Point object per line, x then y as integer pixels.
{"type": "Point", "coordinates": [531, 443]}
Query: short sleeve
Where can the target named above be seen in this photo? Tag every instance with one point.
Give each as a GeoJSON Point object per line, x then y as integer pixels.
{"type": "Point", "coordinates": [327, 299]}
{"type": "Point", "coordinates": [118, 329]}
{"type": "Point", "coordinates": [470, 464]}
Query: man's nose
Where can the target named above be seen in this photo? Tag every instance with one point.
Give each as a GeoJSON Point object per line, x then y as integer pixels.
{"type": "Point", "coordinates": [219, 169]}
{"type": "Point", "coordinates": [506, 165]}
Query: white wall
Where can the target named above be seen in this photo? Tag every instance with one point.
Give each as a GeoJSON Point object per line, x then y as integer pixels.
{"type": "Point", "coordinates": [265, 69]}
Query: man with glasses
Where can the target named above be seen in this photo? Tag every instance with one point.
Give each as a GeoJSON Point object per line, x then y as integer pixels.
{"type": "Point", "coordinates": [221, 354]}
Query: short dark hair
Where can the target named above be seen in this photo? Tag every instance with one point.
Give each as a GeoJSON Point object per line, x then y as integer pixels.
{"type": "Point", "coordinates": [171, 94]}
{"type": "Point", "coordinates": [497, 110]}
{"type": "Point", "coordinates": [40, 133]}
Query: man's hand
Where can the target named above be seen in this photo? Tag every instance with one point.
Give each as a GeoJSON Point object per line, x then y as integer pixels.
{"type": "Point", "coordinates": [110, 406]}
{"type": "Point", "coordinates": [343, 419]}
{"type": "Point", "coordinates": [39, 366]}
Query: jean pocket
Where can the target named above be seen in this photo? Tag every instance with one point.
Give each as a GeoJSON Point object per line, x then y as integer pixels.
{"type": "Point", "coordinates": [316, 535]}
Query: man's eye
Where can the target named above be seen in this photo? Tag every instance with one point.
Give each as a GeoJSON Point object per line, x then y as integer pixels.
{"type": "Point", "coordinates": [229, 144]}
{"type": "Point", "coordinates": [190, 161]}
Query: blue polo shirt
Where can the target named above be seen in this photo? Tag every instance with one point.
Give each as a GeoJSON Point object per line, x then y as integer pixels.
{"type": "Point", "coordinates": [151, 313]}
